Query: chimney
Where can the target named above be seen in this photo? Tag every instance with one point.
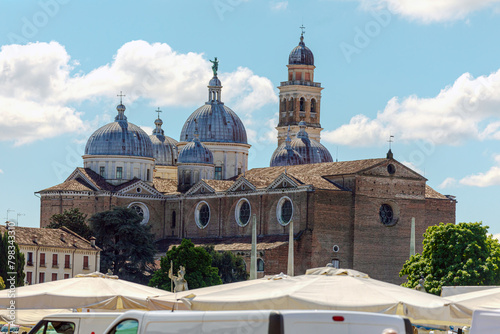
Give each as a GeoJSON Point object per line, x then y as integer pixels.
{"type": "Point", "coordinates": [35, 239]}
{"type": "Point", "coordinates": [62, 237]}
{"type": "Point", "coordinates": [92, 241]}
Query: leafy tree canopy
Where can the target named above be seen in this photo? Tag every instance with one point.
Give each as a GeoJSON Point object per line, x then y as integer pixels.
{"type": "Point", "coordinates": [73, 219]}
{"type": "Point", "coordinates": [455, 255]}
{"type": "Point", "coordinates": [11, 259]}
{"type": "Point", "coordinates": [231, 267]}
{"type": "Point", "coordinates": [196, 260]}
{"type": "Point", "coordinates": [128, 247]}
{"type": "Point", "coordinates": [2, 284]}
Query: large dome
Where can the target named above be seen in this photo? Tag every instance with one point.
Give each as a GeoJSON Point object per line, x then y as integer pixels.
{"type": "Point", "coordinates": [164, 147]}
{"type": "Point", "coordinates": [301, 54]}
{"type": "Point", "coordinates": [216, 122]}
{"type": "Point", "coordinates": [120, 138]}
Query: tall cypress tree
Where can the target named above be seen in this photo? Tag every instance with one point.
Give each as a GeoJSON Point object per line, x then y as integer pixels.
{"type": "Point", "coordinates": [11, 261]}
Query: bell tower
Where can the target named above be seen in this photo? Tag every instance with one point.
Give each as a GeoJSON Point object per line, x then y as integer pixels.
{"type": "Point", "coordinates": [300, 96]}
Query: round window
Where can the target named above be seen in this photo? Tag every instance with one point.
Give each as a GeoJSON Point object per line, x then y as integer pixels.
{"type": "Point", "coordinates": [391, 169]}
{"type": "Point", "coordinates": [386, 215]}
{"type": "Point", "coordinates": [202, 214]}
{"type": "Point", "coordinates": [243, 212]}
{"type": "Point", "coordinates": [141, 209]}
{"type": "Point", "coordinates": [284, 211]}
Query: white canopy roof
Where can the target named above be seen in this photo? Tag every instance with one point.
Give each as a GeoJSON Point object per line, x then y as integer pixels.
{"type": "Point", "coordinates": [343, 290]}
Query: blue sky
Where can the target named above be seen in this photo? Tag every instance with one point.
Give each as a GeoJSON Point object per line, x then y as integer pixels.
{"type": "Point", "coordinates": [424, 71]}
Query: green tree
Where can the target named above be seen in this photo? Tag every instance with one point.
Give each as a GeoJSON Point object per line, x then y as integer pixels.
{"type": "Point", "coordinates": [231, 267]}
{"type": "Point", "coordinates": [196, 260]}
{"type": "Point", "coordinates": [11, 259]}
{"type": "Point", "coordinates": [128, 247]}
{"type": "Point", "coordinates": [73, 219]}
{"type": "Point", "coordinates": [456, 255]}
{"type": "Point", "coordinates": [2, 284]}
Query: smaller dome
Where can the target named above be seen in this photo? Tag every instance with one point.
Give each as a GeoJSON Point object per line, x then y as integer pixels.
{"type": "Point", "coordinates": [286, 155]}
{"type": "Point", "coordinates": [301, 54]}
{"type": "Point", "coordinates": [308, 149]}
{"type": "Point", "coordinates": [215, 82]}
{"type": "Point", "coordinates": [196, 153]}
{"type": "Point", "coordinates": [164, 148]}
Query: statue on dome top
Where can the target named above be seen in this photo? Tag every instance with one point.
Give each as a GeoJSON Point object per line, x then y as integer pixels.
{"type": "Point", "coordinates": [215, 66]}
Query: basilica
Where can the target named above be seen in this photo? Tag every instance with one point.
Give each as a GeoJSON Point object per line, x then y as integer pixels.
{"type": "Point", "coordinates": [353, 214]}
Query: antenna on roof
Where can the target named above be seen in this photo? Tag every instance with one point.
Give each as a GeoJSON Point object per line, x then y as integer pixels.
{"type": "Point", "coordinates": [337, 157]}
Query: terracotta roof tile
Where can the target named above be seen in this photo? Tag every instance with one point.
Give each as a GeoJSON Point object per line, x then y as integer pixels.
{"type": "Point", "coordinates": [165, 186]}
{"type": "Point", "coordinates": [228, 243]}
{"type": "Point", "coordinates": [50, 237]}
{"type": "Point", "coordinates": [312, 174]}
{"type": "Point", "coordinates": [72, 185]}
{"type": "Point", "coordinates": [219, 185]}
{"type": "Point", "coordinates": [431, 193]}
{"type": "Point", "coordinates": [98, 180]}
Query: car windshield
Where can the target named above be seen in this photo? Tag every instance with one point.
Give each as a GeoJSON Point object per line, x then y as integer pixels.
{"type": "Point", "coordinates": [13, 328]}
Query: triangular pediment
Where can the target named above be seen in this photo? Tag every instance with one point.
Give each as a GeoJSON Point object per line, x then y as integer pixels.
{"type": "Point", "coordinates": [392, 168]}
{"type": "Point", "coordinates": [139, 187]}
{"type": "Point", "coordinates": [200, 188]}
{"type": "Point", "coordinates": [242, 184]}
{"type": "Point", "coordinates": [81, 177]}
{"type": "Point", "coordinates": [284, 181]}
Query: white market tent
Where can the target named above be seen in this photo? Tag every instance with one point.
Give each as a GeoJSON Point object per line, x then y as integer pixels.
{"type": "Point", "coordinates": [94, 291]}
{"type": "Point", "coordinates": [326, 289]}
{"type": "Point", "coordinates": [483, 299]}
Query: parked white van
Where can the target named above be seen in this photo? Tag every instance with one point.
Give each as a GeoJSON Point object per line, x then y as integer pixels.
{"type": "Point", "coordinates": [485, 322]}
{"type": "Point", "coordinates": [257, 322]}
{"type": "Point", "coordinates": [75, 323]}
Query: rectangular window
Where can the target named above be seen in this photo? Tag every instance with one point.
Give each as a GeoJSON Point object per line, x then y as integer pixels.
{"type": "Point", "coordinates": [239, 170]}
{"type": "Point", "coordinates": [66, 276]}
{"type": "Point", "coordinates": [54, 261]}
{"type": "Point", "coordinates": [42, 259]}
{"type": "Point", "coordinates": [29, 277]}
{"type": "Point", "coordinates": [336, 263]}
{"type": "Point", "coordinates": [54, 277]}
{"type": "Point", "coordinates": [85, 262]}
{"type": "Point", "coordinates": [119, 173]}
{"type": "Point", "coordinates": [29, 261]}
{"type": "Point", "coordinates": [102, 170]}
{"type": "Point", "coordinates": [67, 264]}
{"type": "Point", "coordinates": [41, 278]}
{"type": "Point", "coordinates": [218, 173]}
{"type": "Point", "coordinates": [147, 177]}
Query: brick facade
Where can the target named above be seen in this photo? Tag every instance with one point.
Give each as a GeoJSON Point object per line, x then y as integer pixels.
{"type": "Point", "coordinates": [334, 204]}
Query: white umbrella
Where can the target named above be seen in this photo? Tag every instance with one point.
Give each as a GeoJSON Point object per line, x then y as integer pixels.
{"type": "Point", "coordinates": [93, 291]}
{"type": "Point", "coordinates": [337, 292]}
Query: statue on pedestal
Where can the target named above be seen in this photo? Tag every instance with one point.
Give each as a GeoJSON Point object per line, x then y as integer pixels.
{"type": "Point", "coordinates": [179, 280]}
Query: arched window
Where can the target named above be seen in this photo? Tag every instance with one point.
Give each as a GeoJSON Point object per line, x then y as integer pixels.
{"type": "Point", "coordinates": [313, 105]}
{"type": "Point", "coordinates": [302, 104]}
{"type": "Point", "coordinates": [260, 265]}
{"type": "Point", "coordinates": [284, 211]}
{"type": "Point", "coordinates": [290, 106]}
{"type": "Point", "coordinates": [283, 105]}
{"type": "Point", "coordinates": [243, 212]}
{"type": "Point", "coordinates": [202, 214]}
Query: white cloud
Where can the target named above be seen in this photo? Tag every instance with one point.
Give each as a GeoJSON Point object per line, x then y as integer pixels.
{"type": "Point", "coordinates": [1, 171]}
{"type": "Point", "coordinates": [468, 109]}
{"type": "Point", "coordinates": [490, 178]}
{"type": "Point", "coordinates": [37, 85]}
{"type": "Point", "coordinates": [428, 11]}
{"type": "Point", "coordinates": [496, 236]}
{"type": "Point", "coordinates": [279, 5]}
{"type": "Point", "coordinates": [449, 182]}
